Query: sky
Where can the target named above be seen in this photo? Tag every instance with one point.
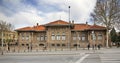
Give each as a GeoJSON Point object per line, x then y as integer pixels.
{"type": "Point", "coordinates": [22, 13]}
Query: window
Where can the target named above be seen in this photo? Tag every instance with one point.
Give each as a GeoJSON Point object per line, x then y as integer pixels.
{"type": "Point", "coordinates": [58, 45]}
{"type": "Point", "coordinates": [41, 37]}
{"type": "Point", "coordinates": [63, 44]}
{"type": "Point", "coordinates": [38, 38]}
{"type": "Point", "coordinates": [74, 37]}
{"type": "Point", "coordinates": [93, 35]}
{"type": "Point", "coordinates": [27, 44]}
{"type": "Point", "coordinates": [22, 44]}
{"type": "Point", "coordinates": [45, 37]}
{"type": "Point", "coordinates": [83, 37]}
{"type": "Point", "coordinates": [41, 44]}
{"type": "Point", "coordinates": [27, 37]}
{"type": "Point", "coordinates": [75, 45]}
{"type": "Point", "coordinates": [79, 38]}
{"type": "Point", "coordinates": [53, 44]}
{"type": "Point", "coordinates": [53, 36]}
{"type": "Point", "coordinates": [63, 36]}
{"type": "Point", "coordinates": [23, 37]}
{"type": "Point", "coordinates": [58, 36]}
{"type": "Point", "coordinates": [99, 36]}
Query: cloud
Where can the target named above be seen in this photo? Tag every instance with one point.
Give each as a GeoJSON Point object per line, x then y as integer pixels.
{"type": "Point", "coordinates": [80, 9]}
{"type": "Point", "coordinates": [27, 13]}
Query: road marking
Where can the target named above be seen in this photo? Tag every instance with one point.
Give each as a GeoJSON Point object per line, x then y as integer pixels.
{"type": "Point", "coordinates": [81, 59]}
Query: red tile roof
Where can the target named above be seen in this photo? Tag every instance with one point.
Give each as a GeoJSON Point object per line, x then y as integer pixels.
{"type": "Point", "coordinates": [34, 28]}
{"type": "Point", "coordinates": [60, 22]}
{"type": "Point", "coordinates": [25, 29]}
{"type": "Point", "coordinates": [39, 28]}
{"type": "Point", "coordinates": [81, 26]}
{"type": "Point", "coordinates": [96, 27]}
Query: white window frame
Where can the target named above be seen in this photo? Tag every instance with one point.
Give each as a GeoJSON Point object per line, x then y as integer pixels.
{"type": "Point", "coordinates": [53, 36]}
{"type": "Point", "coordinates": [38, 38]}
{"type": "Point", "coordinates": [83, 38]}
{"type": "Point", "coordinates": [100, 37]}
{"type": "Point", "coordinates": [41, 37]}
{"type": "Point", "coordinates": [58, 36]}
{"type": "Point", "coordinates": [63, 36]}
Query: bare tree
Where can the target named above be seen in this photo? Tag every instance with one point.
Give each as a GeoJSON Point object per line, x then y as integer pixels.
{"type": "Point", "coordinates": [117, 25]}
{"type": "Point", "coordinates": [107, 13]}
{"type": "Point", "coordinates": [4, 26]}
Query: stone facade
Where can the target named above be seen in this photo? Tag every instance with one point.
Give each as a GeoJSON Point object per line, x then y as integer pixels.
{"type": "Point", "coordinates": [61, 34]}
{"type": "Point", "coordinates": [9, 37]}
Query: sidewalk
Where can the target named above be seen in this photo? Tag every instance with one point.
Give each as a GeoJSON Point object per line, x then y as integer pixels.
{"type": "Point", "coordinates": [65, 52]}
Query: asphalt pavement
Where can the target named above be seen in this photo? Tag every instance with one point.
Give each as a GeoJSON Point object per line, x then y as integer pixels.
{"type": "Point", "coordinates": [105, 55]}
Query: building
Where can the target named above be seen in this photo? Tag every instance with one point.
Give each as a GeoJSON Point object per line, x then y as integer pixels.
{"type": "Point", "coordinates": [62, 34]}
{"type": "Point", "coordinates": [9, 37]}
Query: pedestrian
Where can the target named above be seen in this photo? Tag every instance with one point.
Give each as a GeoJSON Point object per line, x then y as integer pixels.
{"type": "Point", "coordinates": [95, 47]}
{"type": "Point", "coordinates": [98, 46]}
{"type": "Point", "coordinates": [31, 48]}
{"type": "Point", "coordinates": [8, 48]}
{"type": "Point", "coordinates": [88, 46]}
{"type": "Point", "coordinates": [28, 48]}
{"type": "Point", "coordinates": [118, 45]}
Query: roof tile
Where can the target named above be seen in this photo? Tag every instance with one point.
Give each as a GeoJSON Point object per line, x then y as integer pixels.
{"type": "Point", "coordinates": [58, 22]}
{"type": "Point", "coordinates": [61, 22]}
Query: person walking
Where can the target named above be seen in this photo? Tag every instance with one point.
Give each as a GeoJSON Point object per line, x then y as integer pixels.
{"type": "Point", "coordinates": [98, 46]}
{"type": "Point", "coordinates": [8, 48]}
{"type": "Point", "coordinates": [88, 46]}
{"type": "Point", "coordinates": [95, 47]}
{"type": "Point", "coordinates": [28, 48]}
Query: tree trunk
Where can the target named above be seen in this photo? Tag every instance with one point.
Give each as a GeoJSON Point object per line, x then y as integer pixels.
{"type": "Point", "coordinates": [107, 39]}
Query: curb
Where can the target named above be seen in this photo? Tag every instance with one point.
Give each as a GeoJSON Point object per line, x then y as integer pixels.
{"type": "Point", "coordinates": [39, 54]}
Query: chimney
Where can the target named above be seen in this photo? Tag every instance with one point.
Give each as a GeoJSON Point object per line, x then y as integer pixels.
{"type": "Point", "coordinates": [72, 21]}
{"type": "Point", "coordinates": [69, 22]}
{"type": "Point", "coordinates": [37, 24]}
{"type": "Point", "coordinates": [86, 23]}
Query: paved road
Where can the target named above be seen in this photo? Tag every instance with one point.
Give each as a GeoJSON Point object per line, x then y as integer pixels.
{"type": "Point", "coordinates": [39, 59]}
{"type": "Point", "coordinates": [111, 55]}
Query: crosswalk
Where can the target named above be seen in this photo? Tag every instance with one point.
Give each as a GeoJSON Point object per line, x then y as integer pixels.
{"type": "Point", "coordinates": [110, 58]}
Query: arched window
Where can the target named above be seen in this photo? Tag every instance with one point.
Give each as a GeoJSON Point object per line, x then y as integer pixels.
{"type": "Point", "coordinates": [58, 45]}
{"type": "Point", "coordinates": [52, 44]}
{"type": "Point", "coordinates": [41, 44]}
{"type": "Point", "coordinates": [63, 44]}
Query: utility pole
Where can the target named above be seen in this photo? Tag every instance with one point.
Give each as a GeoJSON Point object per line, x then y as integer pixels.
{"type": "Point", "coordinates": [2, 43]}
{"type": "Point", "coordinates": [69, 12]}
{"type": "Point", "coordinates": [69, 46]}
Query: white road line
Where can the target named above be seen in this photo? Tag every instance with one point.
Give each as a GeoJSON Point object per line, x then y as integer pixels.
{"type": "Point", "coordinates": [81, 59]}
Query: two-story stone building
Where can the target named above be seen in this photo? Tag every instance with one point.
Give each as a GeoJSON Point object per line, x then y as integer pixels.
{"type": "Point", "coordinates": [62, 34]}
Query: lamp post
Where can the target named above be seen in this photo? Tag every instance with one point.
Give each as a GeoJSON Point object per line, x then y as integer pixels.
{"type": "Point", "coordinates": [2, 42]}
{"type": "Point", "coordinates": [93, 39]}
{"type": "Point", "coordinates": [69, 45]}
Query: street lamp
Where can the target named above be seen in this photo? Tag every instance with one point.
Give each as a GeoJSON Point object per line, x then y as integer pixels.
{"type": "Point", "coordinates": [93, 38]}
{"type": "Point", "coordinates": [2, 43]}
